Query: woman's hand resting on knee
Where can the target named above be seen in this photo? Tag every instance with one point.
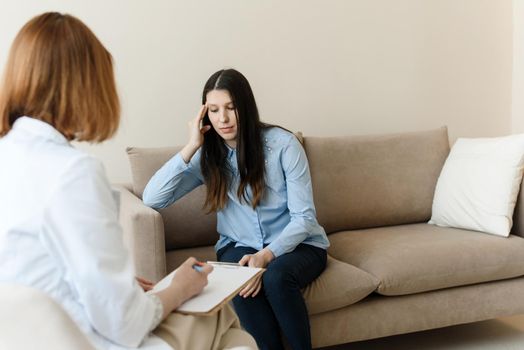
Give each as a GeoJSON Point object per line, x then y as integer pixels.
{"type": "Point", "coordinates": [260, 259]}
{"type": "Point", "coordinates": [186, 283]}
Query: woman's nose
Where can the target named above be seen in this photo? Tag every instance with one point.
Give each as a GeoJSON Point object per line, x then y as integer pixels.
{"type": "Point", "coordinates": [224, 117]}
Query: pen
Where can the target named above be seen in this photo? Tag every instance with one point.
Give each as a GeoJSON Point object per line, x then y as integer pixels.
{"type": "Point", "coordinates": [198, 266]}
{"type": "Point", "coordinates": [222, 263]}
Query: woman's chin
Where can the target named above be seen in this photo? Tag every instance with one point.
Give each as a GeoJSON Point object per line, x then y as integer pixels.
{"type": "Point", "coordinates": [228, 137]}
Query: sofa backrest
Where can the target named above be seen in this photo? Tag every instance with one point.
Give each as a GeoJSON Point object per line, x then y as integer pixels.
{"type": "Point", "coordinates": [358, 182]}
{"type": "Point", "coordinates": [370, 181]}
{"type": "Point", "coordinates": [185, 223]}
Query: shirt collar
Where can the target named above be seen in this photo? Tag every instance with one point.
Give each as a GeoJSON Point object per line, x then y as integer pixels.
{"type": "Point", "coordinates": [230, 151]}
{"type": "Point", "coordinates": [38, 128]}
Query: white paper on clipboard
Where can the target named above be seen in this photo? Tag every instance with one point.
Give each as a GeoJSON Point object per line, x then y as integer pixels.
{"type": "Point", "coordinates": [224, 282]}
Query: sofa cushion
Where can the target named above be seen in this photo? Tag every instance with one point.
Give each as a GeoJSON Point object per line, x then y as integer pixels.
{"type": "Point", "coordinates": [421, 257]}
{"type": "Point", "coordinates": [339, 285]}
{"type": "Point", "coordinates": [378, 316]}
{"type": "Point", "coordinates": [179, 231]}
{"type": "Point", "coordinates": [370, 181]}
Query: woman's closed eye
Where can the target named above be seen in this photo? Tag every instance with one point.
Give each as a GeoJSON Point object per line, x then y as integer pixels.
{"type": "Point", "coordinates": [215, 110]}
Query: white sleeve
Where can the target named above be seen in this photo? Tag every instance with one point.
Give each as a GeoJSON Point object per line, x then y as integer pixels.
{"type": "Point", "coordinates": [159, 311]}
{"type": "Point", "coordinates": [81, 230]}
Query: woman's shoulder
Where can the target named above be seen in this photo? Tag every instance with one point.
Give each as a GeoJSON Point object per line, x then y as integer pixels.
{"type": "Point", "coordinates": [67, 168]}
{"type": "Point", "coordinates": [70, 163]}
{"type": "Point", "coordinates": [277, 135]}
{"type": "Point", "coordinates": [70, 156]}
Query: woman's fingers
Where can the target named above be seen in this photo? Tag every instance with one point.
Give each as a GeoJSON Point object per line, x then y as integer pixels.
{"type": "Point", "coordinates": [244, 260]}
{"type": "Point", "coordinates": [259, 287]}
{"type": "Point", "coordinates": [251, 288]}
{"type": "Point", "coordinates": [243, 292]}
{"type": "Point", "coordinates": [207, 268]}
{"type": "Point", "coordinates": [144, 284]}
{"type": "Point", "coordinates": [190, 261]}
{"type": "Point", "coordinates": [146, 287]}
{"type": "Point", "coordinates": [143, 280]}
{"type": "Point", "coordinates": [202, 112]}
{"type": "Point", "coordinates": [201, 115]}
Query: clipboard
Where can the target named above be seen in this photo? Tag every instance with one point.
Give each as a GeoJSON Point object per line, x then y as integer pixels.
{"type": "Point", "coordinates": [224, 283]}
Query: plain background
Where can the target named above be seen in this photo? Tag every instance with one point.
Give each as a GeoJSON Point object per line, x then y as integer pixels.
{"type": "Point", "coordinates": [326, 67]}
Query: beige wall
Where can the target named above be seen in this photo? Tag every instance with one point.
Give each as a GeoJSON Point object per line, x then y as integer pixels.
{"type": "Point", "coordinates": [518, 67]}
{"type": "Point", "coordinates": [330, 67]}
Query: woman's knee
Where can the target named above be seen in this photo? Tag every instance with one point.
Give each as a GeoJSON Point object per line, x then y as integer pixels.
{"type": "Point", "coordinates": [278, 279]}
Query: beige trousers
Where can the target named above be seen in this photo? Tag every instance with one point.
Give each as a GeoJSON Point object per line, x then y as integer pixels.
{"type": "Point", "coordinates": [219, 331]}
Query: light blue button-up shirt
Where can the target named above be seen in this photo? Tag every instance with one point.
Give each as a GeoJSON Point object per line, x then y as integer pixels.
{"type": "Point", "coordinates": [284, 218]}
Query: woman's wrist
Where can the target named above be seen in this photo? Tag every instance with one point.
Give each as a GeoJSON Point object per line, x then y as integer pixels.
{"type": "Point", "coordinates": [170, 301]}
{"type": "Point", "coordinates": [267, 255]}
{"type": "Point", "coordinates": [188, 152]}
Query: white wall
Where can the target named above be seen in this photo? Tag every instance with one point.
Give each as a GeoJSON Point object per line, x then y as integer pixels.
{"type": "Point", "coordinates": [518, 67]}
{"type": "Point", "coordinates": [330, 67]}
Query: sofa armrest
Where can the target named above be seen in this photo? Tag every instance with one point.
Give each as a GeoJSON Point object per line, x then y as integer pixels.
{"type": "Point", "coordinates": [30, 319]}
{"type": "Point", "coordinates": [143, 235]}
{"type": "Point", "coordinates": [518, 215]}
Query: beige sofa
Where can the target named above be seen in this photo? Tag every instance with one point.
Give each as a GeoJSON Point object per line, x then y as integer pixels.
{"type": "Point", "coordinates": [388, 272]}
{"type": "Point", "coordinates": [30, 319]}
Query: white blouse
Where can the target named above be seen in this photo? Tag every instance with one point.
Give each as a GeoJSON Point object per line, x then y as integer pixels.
{"type": "Point", "coordinates": [59, 233]}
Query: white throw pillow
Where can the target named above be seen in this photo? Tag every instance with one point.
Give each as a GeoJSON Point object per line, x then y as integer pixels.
{"type": "Point", "coordinates": [479, 183]}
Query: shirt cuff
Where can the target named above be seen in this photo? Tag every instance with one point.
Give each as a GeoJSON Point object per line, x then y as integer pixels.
{"type": "Point", "coordinates": [178, 164]}
{"type": "Point", "coordinates": [159, 311]}
{"type": "Point", "coordinates": [276, 249]}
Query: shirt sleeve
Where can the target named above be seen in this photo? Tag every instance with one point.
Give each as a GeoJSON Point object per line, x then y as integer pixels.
{"type": "Point", "coordinates": [299, 200]}
{"type": "Point", "coordinates": [172, 181]}
{"type": "Point", "coordinates": [159, 311]}
{"type": "Point", "coordinates": [81, 230]}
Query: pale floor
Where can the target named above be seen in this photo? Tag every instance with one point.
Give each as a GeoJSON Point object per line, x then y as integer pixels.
{"type": "Point", "coordinates": [501, 334]}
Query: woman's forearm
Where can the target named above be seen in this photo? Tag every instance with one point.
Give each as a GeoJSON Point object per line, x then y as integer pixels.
{"type": "Point", "coordinates": [188, 152]}
{"type": "Point", "coordinates": [171, 299]}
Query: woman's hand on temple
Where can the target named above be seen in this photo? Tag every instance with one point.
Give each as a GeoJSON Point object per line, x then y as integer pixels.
{"type": "Point", "coordinates": [196, 134]}
{"type": "Point", "coordinates": [196, 129]}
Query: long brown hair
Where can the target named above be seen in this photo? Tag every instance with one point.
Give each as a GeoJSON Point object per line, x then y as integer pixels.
{"type": "Point", "coordinates": [60, 73]}
{"type": "Point", "coordinates": [250, 151]}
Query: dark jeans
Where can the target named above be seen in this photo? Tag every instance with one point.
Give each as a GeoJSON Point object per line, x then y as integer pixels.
{"type": "Point", "coordinates": [279, 306]}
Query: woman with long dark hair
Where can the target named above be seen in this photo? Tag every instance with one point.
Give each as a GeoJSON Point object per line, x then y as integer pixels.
{"type": "Point", "coordinates": [258, 183]}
